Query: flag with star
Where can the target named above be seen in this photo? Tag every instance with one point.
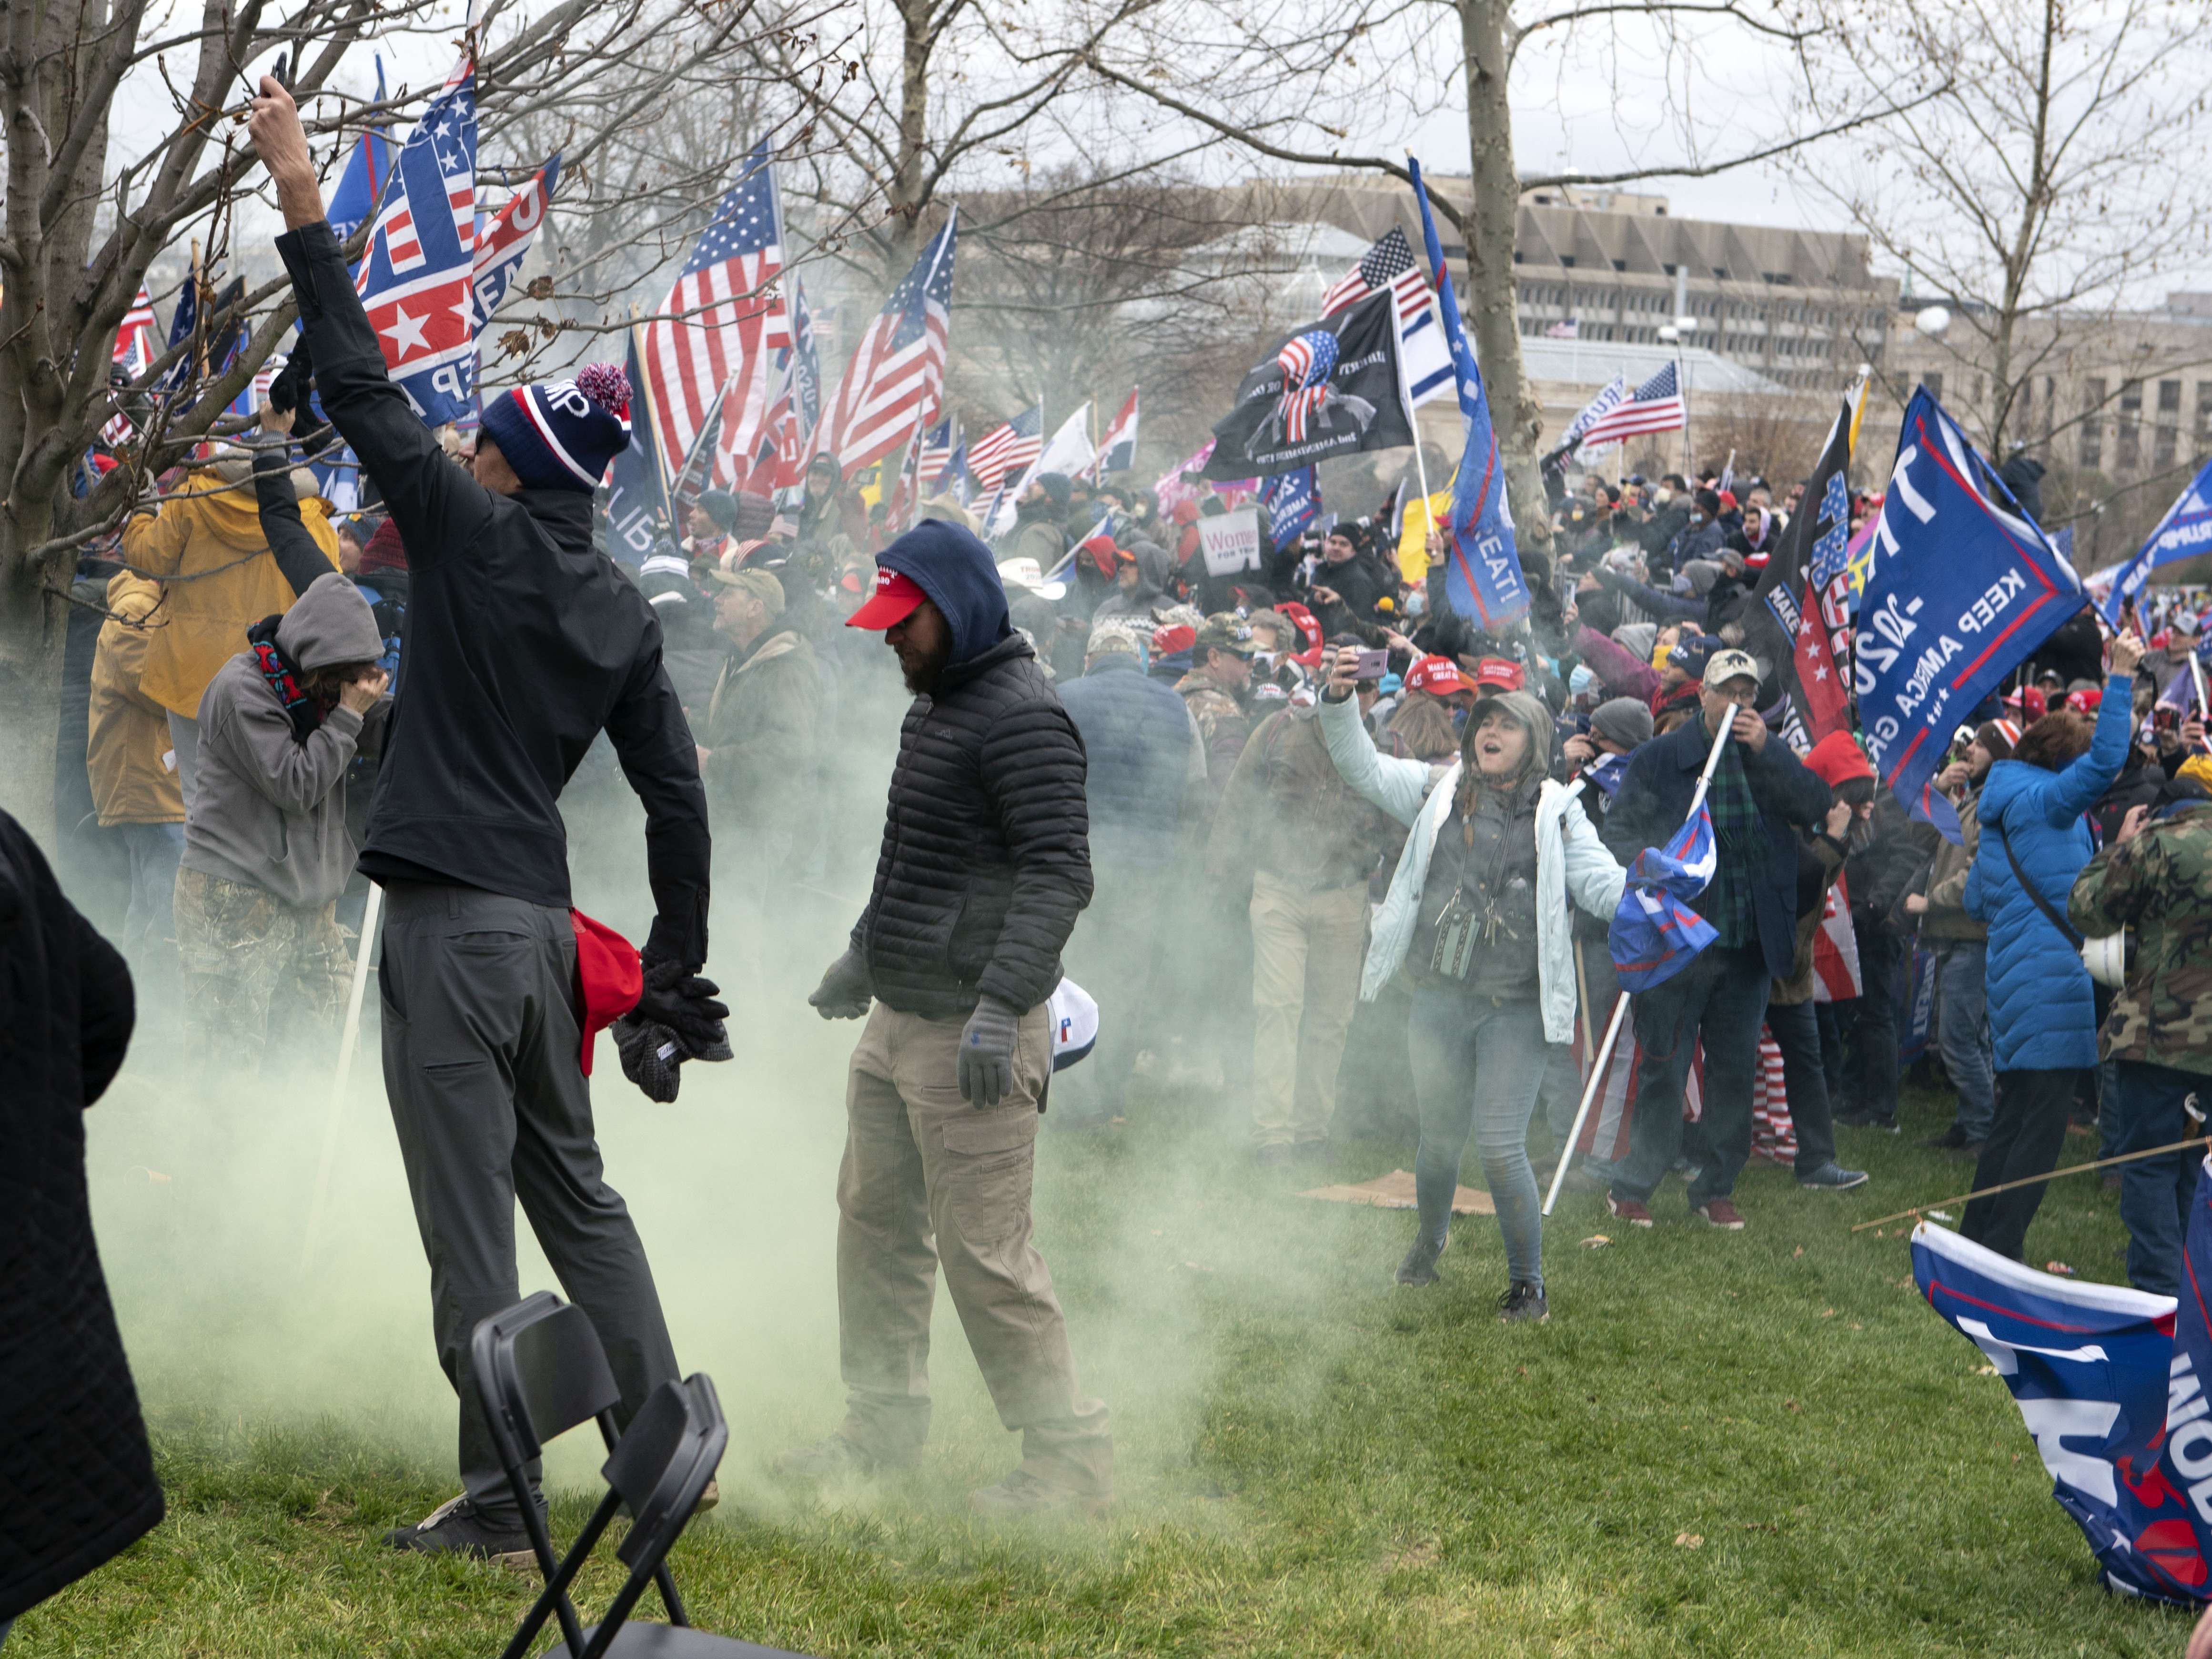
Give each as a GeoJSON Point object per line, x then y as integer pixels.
{"type": "Point", "coordinates": [895, 380]}
{"type": "Point", "coordinates": [1800, 624]}
{"type": "Point", "coordinates": [712, 348]}
{"type": "Point", "coordinates": [415, 277]}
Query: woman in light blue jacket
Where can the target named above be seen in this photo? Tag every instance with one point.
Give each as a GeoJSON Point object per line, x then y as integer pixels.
{"type": "Point", "coordinates": [1477, 917]}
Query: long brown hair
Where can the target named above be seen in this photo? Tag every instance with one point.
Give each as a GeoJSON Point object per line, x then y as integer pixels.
{"type": "Point", "coordinates": [1423, 726]}
{"type": "Point", "coordinates": [2056, 740]}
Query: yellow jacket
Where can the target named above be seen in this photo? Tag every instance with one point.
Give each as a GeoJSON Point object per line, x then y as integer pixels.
{"type": "Point", "coordinates": [219, 578]}
{"type": "Point", "coordinates": [131, 783]}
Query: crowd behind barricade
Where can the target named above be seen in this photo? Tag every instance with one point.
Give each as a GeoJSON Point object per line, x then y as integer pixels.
{"type": "Point", "coordinates": [1385, 844]}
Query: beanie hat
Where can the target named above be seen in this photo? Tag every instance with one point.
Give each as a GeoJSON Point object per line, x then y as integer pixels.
{"type": "Point", "coordinates": [1623, 720]}
{"type": "Point", "coordinates": [722, 507]}
{"type": "Point", "coordinates": [1056, 485]}
{"type": "Point", "coordinates": [1837, 758]}
{"type": "Point", "coordinates": [562, 434]}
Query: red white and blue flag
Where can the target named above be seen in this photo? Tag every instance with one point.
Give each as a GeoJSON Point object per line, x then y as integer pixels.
{"type": "Point", "coordinates": [1655, 934]}
{"type": "Point", "coordinates": [1423, 354]}
{"type": "Point", "coordinates": [1655, 406]}
{"type": "Point", "coordinates": [1006, 448]}
{"type": "Point", "coordinates": [937, 447]}
{"type": "Point", "coordinates": [1117, 450]}
{"type": "Point", "coordinates": [896, 378]}
{"type": "Point", "coordinates": [134, 339]}
{"type": "Point", "coordinates": [415, 279]}
{"type": "Point", "coordinates": [505, 242]}
{"type": "Point", "coordinates": [2109, 1381]}
{"type": "Point", "coordinates": [709, 351]}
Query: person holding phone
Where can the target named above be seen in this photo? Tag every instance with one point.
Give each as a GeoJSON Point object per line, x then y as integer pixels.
{"type": "Point", "coordinates": [1478, 913]}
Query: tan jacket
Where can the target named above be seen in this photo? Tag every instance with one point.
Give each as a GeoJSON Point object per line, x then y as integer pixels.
{"type": "Point", "coordinates": [218, 575]}
{"type": "Point", "coordinates": [130, 782]}
{"type": "Point", "coordinates": [1946, 916]}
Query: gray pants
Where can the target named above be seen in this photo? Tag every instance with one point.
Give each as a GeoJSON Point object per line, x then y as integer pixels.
{"type": "Point", "coordinates": [481, 1046]}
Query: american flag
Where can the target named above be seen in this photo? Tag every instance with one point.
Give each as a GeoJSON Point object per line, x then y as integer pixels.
{"type": "Point", "coordinates": [1655, 406]}
{"type": "Point", "coordinates": [1390, 263]}
{"type": "Point", "coordinates": [134, 339]}
{"type": "Point", "coordinates": [1604, 403]}
{"type": "Point", "coordinates": [1569, 329]}
{"type": "Point", "coordinates": [711, 345]}
{"type": "Point", "coordinates": [414, 280]}
{"type": "Point", "coordinates": [1306, 363]}
{"type": "Point", "coordinates": [1006, 448]}
{"type": "Point", "coordinates": [896, 377]}
{"type": "Point", "coordinates": [937, 447]}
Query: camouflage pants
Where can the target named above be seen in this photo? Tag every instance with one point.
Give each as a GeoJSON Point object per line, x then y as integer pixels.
{"type": "Point", "coordinates": [249, 961]}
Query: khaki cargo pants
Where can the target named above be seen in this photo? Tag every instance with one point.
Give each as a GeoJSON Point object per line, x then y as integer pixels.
{"type": "Point", "coordinates": [1305, 983]}
{"type": "Point", "coordinates": [928, 1178]}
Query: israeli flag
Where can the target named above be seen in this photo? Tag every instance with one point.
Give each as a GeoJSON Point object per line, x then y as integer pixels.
{"type": "Point", "coordinates": [1655, 934]}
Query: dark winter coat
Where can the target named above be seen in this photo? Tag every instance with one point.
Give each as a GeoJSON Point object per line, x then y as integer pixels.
{"type": "Point", "coordinates": [74, 1461]}
{"type": "Point", "coordinates": [986, 861]}
{"type": "Point", "coordinates": [1138, 741]}
{"type": "Point", "coordinates": [2075, 649]}
{"type": "Point", "coordinates": [760, 734]}
{"type": "Point", "coordinates": [1654, 798]}
{"type": "Point", "coordinates": [523, 642]}
{"type": "Point", "coordinates": [1880, 873]}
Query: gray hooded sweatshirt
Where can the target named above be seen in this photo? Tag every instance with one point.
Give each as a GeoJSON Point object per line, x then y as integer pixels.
{"type": "Point", "coordinates": [267, 810]}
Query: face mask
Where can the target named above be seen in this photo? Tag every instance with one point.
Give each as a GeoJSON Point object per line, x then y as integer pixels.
{"type": "Point", "coordinates": [1660, 653]}
{"type": "Point", "coordinates": [1581, 680]}
{"type": "Point", "coordinates": [1661, 497]}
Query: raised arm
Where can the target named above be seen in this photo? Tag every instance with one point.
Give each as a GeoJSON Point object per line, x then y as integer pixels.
{"type": "Point", "coordinates": [299, 555]}
{"type": "Point", "coordinates": [2083, 783]}
{"type": "Point", "coordinates": [652, 741]}
{"type": "Point", "coordinates": [439, 509]}
{"type": "Point", "coordinates": [1397, 787]}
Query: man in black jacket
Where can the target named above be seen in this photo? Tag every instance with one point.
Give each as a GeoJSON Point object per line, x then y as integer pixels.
{"type": "Point", "coordinates": [985, 862]}
{"type": "Point", "coordinates": [523, 642]}
{"type": "Point", "coordinates": [1760, 794]}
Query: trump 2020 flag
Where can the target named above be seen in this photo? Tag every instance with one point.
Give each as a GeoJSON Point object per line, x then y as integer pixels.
{"type": "Point", "coordinates": [2109, 1381]}
{"type": "Point", "coordinates": [2182, 533]}
{"type": "Point", "coordinates": [1292, 500]}
{"type": "Point", "coordinates": [1655, 934]}
{"type": "Point", "coordinates": [415, 277]}
{"type": "Point", "coordinates": [1482, 567]}
{"type": "Point", "coordinates": [1962, 587]}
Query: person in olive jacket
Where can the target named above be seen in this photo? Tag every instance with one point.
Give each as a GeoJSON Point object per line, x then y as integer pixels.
{"type": "Point", "coordinates": [986, 864]}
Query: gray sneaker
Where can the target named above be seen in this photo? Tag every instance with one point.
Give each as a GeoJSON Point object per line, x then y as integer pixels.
{"type": "Point", "coordinates": [1832, 1176]}
{"type": "Point", "coordinates": [455, 1528]}
{"type": "Point", "coordinates": [826, 1461]}
{"type": "Point", "coordinates": [1022, 1494]}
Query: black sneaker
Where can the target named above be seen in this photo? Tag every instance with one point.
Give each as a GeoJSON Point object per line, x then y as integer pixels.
{"type": "Point", "coordinates": [1419, 1266]}
{"type": "Point", "coordinates": [1523, 1300]}
{"type": "Point", "coordinates": [1969, 1153]}
{"type": "Point", "coordinates": [1832, 1176]}
{"type": "Point", "coordinates": [1954, 1136]}
{"type": "Point", "coordinates": [454, 1528]}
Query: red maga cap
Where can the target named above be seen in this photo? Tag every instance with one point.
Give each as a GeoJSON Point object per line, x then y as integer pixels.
{"type": "Point", "coordinates": [892, 603]}
{"type": "Point", "coordinates": [1498, 674]}
{"type": "Point", "coordinates": [1437, 675]}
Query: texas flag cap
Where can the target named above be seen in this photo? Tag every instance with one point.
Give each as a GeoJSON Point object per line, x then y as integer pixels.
{"type": "Point", "coordinates": [892, 603]}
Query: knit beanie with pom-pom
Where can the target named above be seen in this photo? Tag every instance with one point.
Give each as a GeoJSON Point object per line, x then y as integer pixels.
{"type": "Point", "coordinates": [562, 434]}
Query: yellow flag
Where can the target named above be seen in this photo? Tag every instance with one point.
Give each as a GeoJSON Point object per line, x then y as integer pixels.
{"type": "Point", "coordinates": [1414, 534]}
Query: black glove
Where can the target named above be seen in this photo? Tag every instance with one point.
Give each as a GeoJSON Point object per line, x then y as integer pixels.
{"type": "Point", "coordinates": [846, 989]}
{"type": "Point", "coordinates": [986, 1053]}
{"type": "Point", "coordinates": [288, 390]}
{"type": "Point", "coordinates": [651, 1056]}
{"type": "Point", "coordinates": [679, 999]}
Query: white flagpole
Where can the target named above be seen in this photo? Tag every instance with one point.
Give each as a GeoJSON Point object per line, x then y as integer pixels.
{"type": "Point", "coordinates": [1620, 1002]}
{"type": "Point", "coordinates": [347, 1038]}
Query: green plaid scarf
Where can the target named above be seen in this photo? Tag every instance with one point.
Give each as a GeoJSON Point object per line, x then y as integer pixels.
{"type": "Point", "coordinates": [1726, 903]}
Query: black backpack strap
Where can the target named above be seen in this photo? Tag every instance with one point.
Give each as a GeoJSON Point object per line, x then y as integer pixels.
{"type": "Point", "coordinates": [2066, 929]}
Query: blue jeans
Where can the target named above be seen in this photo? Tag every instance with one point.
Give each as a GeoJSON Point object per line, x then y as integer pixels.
{"type": "Point", "coordinates": [1962, 967]}
{"type": "Point", "coordinates": [1796, 1031]}
{"type": "Point", "coordinates": [1722, 997]}
{"type": "Point", "coordinates": [149, 924]}
{"type": "Point", "coordinates": [1477, 1066]}
{"type": "Point", "coordinates": [2155, 1193]}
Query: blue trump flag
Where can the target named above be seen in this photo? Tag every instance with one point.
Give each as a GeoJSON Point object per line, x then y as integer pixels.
{"type": "Point", "coordinates": [1292, 500]}
{"type": "Point", "coordinates": [2110, 1383]}
{"type": "Point", "coordinates": [2182, 533]}
{"type": "Point", "coordinates": [1655, 934]}
{"type": "Point", "coordinates": [1962, 587]}
{"type": "Point", "coordinates": [1482, 569]}
{"type": "Point", "coordinates": [359, 194]}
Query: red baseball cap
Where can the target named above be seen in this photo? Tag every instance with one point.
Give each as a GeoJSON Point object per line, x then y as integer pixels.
{"type": "Point", "coordinates": [2085, 699]}
{"type": "Point", "coordinates": [1437, 675]}
{"type": "Point", "coordinates": [1497, 674]}
{"type": "Point", "coordinates": [1169, 640]}
{"type": "Point", "coordinates": [892, 603]}
{"type": "Point", "coordinates": [2030, 703]}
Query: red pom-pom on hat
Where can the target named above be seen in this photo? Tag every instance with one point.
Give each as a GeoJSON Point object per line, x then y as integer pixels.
{"type": "Point", "coordinates": [605, 384]}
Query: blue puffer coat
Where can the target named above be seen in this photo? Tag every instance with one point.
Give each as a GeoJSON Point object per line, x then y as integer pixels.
{"type": "Point", "coordinates": [2043, 1014]}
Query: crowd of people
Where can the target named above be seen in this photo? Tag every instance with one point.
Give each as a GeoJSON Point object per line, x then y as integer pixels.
{"type": "Point", "coordinates": [1312, 840]}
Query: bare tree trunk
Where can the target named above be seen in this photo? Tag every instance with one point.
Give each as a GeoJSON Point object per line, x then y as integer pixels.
{"type": "Point", "coordinates": [1487, 229]}
{"type": "Point", "coordinates": [904, 230]}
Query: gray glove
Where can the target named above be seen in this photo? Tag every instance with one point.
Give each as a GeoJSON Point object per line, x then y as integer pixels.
{"type": "Point", "coordinates": [846, 990]}
{"type": "Point", "coordinates": [651, 1056]}
{"type": "Point", "coordinates": [986, 1053]}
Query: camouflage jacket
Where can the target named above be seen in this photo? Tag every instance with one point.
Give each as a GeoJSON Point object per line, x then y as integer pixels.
{"type": "Point", "coordinates": [2159, 885]}
{"type": "Point", "coordinates": [1223, 727]}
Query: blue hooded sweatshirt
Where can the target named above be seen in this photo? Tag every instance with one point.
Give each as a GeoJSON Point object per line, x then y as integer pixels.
{"type": "Point", "coordinates": [2043, 1010]}
{"type": "Point", "coordinates": [955, 569]}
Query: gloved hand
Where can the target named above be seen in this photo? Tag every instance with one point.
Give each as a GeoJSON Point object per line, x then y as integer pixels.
{"type": "Point", "coordinates": [288, 390]}
{"type": "Point", "coordinates": [986, 1053]}
{"type": "Point", "coordinates": [679, 999]}
{"type": "Point", "coordinates": [651, 1056]}
{"type": "Point", "coordinates": [846, 989]}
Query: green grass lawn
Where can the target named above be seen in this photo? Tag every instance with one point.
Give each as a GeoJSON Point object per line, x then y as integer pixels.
{"type": "Point", "coordinates": [1762, 1443]}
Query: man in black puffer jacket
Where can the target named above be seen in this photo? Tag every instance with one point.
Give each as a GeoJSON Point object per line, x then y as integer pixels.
{"type": "Point", "coordinates": [985, 862]}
